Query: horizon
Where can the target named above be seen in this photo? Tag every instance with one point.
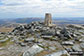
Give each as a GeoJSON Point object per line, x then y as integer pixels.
{"type": "Point", "coordinates": [54, 18]}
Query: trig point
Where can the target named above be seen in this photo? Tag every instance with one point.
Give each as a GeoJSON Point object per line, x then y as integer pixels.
{"type": "Point", "coordinates": [48, 19]}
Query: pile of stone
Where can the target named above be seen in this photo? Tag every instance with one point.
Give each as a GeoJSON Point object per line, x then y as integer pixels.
{"type": "Point", "coordinates": [35, 27]}
{"type": "Point", "coordinates": [66, 34]}
{"type": "Point", "coordinates": [39, 33]}
{"type": "Point", "coordinates": [30, 28]}
{"type": "Point", "coordinates": [75, 50]}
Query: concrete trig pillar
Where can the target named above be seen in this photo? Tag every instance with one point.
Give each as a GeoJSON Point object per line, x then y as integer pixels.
{"type": "Point", "coordinates": [48, 19]}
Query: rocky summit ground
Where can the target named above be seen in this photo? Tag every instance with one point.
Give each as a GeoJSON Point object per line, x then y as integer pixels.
{"type": "Point", "coordinates": [36, 39]}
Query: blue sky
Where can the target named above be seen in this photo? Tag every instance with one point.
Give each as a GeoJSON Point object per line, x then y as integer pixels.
{"type": "Point", "coordinates": [38, 8]}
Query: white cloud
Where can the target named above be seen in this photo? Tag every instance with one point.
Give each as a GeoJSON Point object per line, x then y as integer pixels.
{"type": "Point", "coordinates": [42, 6]}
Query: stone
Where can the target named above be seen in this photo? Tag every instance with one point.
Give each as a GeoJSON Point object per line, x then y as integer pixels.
{"type": "Point", "coordinates": [76, 53]}
{"type": "Point", "coordinates": [31, 39]}
{"type": "Point", "coordinates": [76, 48]}
{"type": "Point", "coordinates": [48, 32]}
{"type": "Point", "coordinates": [46, 37]}
{"type": "Point", "coordinates": [81, 40]}
{"type": "Point", "coordinates": [67, 43]}
{"type": "Point", "coordinates": [33, 50]}
{"type": "Point", "coordinates": [59, 53]}
{"type": "Point", "coordinates": [69, 49]}
{"type": "Point", "coordinates": [74, 35]}
{"type": "Point", "coordinates": [57, 33]}
{"type": "Point", "coordinates": [38, 35]}
{"type": "Point", "coordinates": [65, 33]}
{"type": "Point", "coordinates": [76, 39]}
{"type": "Point", "coordinates": [52, 48]}
{"type": "Point", "coordinates": [82, 45]}
{"type": "Point", "coordinates": [4, 40]}
{"type": "Point", "coordinates": [55, 38]}
{"type": "Point", "coordinates": [22, 44]}
{"type": "Point", "coordinates": [40, 40]}
{"type": "Point", "coordinates": [76, 26]}
{"type": "Point", "coordinates": [1, 48]}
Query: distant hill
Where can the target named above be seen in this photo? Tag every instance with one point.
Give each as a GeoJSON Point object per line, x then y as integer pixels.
{"type": "Point", "coordinates": [69, 20]}
{"type": "Point", "coordinates": [17, 21]}
{"type": "Point", "coordinates": [2, 21]}
{"type": "Point", "coordinates": [26, 20]}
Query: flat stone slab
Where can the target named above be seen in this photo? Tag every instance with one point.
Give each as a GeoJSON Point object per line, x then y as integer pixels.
{"type": "Point", "coordinates": [4, 40]}
{"type": "Point", "coordinates": [76, 48]}
{"type": "Point", "coordinates": [59, 53]}
{"type": "Point", "coordinates": [82, 45]}
{"type": "Point", "coordinates": [33, 50]}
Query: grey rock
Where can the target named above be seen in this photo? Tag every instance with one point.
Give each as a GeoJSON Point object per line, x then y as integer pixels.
{"type": "Point", "coordinates": [76, 48]}
{"type": "Point", "coordinates": [46, 37]}
{"type": "Point", "coordinates": [40, 40]}
{"type": "Point", "coordinates": [69, 49]}
{"type": "Point", "coordinates": [52, 48]}
{"type": "Point", "coordinates": [76, 26]}
{"type": "Point", "coordinates": [59, 53]}
{"type": "Point", "coordinates": [82, 45]}
{"type": "Point", "coordinates": [4, 40]}
{"type": "Point", "coordinates": [81, 40]}
{"type": "Point", "coordinates": [22, 44]}
{"type": "Point", "coordinates": [31, 39]}
{"type": "Point", "coordinates": [67, 43]}
{"type": "Point", "coordinates": [76, 53]}
{"type": "Point", "coordinates": [33, 50]}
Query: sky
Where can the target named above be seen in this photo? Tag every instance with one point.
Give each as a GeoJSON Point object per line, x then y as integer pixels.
{"type": "Point", "coordinates": [38, 8]}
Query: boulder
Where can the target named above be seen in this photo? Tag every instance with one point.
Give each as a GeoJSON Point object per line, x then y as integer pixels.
{"type": "Point", "coordinates": [65, 33]}
{"type": "Point", "coordinates": [57, 33]}
{"type": "Point", "coordinates": [81, 40]}
{"type": "Point", "coordinates": [33, 50]}
{"type": "Point", "coordinates": [69, 49]}
{"type": "Point", "coordinates": [76, 48]}
{"type": "Point", "coordinates": [22, 44]}
{"type": "Point", "coordinates": [76, 26]}
{"type": "Point", "coordinates": [4, 40]}
{"type": "Point", "coordinates": [82, 45]}
{"type": "Point", "coordinates": [59, 53]}
{"type": "Point", "coordinates": [31, 39]}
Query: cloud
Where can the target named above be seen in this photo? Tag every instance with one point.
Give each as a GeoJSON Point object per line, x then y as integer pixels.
{"type": "Point", "coordinates": [39, 7]}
